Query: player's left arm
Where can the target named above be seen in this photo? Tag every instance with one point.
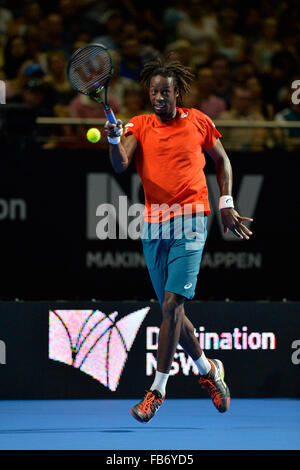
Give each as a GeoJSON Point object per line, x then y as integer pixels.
{"type": "Point", "coordinates": [231, 219]}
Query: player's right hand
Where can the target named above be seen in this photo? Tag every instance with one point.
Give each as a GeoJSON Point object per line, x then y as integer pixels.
{"type": "Point", "coordinates": [114, 130]}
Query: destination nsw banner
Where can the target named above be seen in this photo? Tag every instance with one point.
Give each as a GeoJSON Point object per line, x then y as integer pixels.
{"type": "Point", "coordinates": [108, 349]}
{"type": "Point", "coordinates": [68, 229]}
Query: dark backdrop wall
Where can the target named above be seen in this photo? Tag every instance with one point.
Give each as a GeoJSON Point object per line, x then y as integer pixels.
{"type": "Point", "coordinates": [49, 247]}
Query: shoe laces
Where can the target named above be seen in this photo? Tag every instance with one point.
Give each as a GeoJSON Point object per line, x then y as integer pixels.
{"type": "Point", "coordinates": [150, 400]}
{"type": "Point", "coordinates": [208, 383]}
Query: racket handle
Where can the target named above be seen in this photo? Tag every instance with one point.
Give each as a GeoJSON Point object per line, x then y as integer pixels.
{"type": "Point", "coordinates": [110, 116]}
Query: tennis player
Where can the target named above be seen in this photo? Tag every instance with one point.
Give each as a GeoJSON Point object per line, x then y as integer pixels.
{"type": "Point", "coordinates": [168, 149]}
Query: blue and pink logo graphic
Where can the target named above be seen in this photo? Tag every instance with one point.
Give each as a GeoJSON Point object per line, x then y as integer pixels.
{"type": "Point", "coordinates": [93, 341]}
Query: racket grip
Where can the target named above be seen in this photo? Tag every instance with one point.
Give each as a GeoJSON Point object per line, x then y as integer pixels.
{"type": "Point", "coordinates": [110, 116]}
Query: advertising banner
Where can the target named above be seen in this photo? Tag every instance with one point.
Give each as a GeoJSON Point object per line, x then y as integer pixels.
{"type": "Point", "coordinates": [87, 350]}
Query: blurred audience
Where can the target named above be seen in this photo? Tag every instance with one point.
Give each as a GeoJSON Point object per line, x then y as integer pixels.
{"type": "Point", "coordinates": [200, 29]}
{"type": "Point", "coordinates": [258, 104]}
{"type": "Point", "coordinates": [53, 34]}
{"type": "Point", "coordinates": [242, 111]}
{"type": "Point", "coordinates": [209, 103]}
{"type": "Point", "coordinates": [118, 84]}
{"type": "Point", "coordinates": [112, 25]}
{"type": "Point", "coordinates": [202, 96]}
{"type": "Point", "coordinates": [228, 42]}
{"type": "Point", "coordinates": [36, 95]}
{"type": "Point", "coordinates": [6, 20]}
{"type": "Point", "coordinates": [183, 51]}
{"type": "Point", "coordinates": [223, 87]}
{"type": "Point", "coordinates": [266, 46]}
{"type": "Point", "coordinates": [135, 102]}
{"type": "Point", "coordinates": [276, 83]}
{"type": "Point", "coordinates": [83, 106]}
{"type": "Point", "coordinates": [131, 64]}
{"type": "Point", "coordinates": [236, 51]}
{"type": "Point", "coordinates": [15, 54]}
{"type": "Point", "coordinates": [56, 78]}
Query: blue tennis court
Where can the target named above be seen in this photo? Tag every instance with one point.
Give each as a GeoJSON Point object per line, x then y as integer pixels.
{"type": "Point", "coordinates": [185, 424]}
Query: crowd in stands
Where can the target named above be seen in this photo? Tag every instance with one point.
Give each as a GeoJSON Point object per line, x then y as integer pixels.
{"type": "Point", "coordinates": [244, 58]}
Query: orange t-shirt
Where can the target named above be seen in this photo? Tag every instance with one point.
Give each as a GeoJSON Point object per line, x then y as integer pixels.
{"type": "Point", "coordinates": [170, 161]}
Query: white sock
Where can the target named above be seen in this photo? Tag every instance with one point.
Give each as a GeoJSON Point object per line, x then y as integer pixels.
{"type": "Point", "coordinates": [160, 382]}
{"type": "Point", "coordinates": [203, 364]}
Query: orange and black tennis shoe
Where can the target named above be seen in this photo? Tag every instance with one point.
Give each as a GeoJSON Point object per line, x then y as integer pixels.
{"type": "Point", "coordinates": [146, 409]}
{"type": "Point", "coordinates": [214, 383]}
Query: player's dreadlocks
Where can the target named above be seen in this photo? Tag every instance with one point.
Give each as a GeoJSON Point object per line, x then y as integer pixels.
{"type": "Point", "coordinates": [181, 75]}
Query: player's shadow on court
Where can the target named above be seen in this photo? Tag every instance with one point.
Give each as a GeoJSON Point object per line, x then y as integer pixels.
{"type": "Point", "coordinates": [90, 430]}
{"type": "Point", "coordinates": [138, 428]}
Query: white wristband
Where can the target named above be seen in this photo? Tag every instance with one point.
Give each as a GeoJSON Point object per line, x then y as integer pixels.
{"type": "Point", "coordinates": [114, 140]}
{"type": "Point", "coordinates": [225, 202]}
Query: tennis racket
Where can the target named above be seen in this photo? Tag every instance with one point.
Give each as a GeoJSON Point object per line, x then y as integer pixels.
{"type": "Point", "coordinates": [89, 72]}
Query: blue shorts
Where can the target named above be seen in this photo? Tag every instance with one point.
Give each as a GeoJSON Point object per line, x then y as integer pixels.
{"type": "Point", "coordinates": [173, 252]}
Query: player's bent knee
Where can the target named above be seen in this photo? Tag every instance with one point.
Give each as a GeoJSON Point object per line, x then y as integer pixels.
{"type": "Point", "coordinates": [173, 309]}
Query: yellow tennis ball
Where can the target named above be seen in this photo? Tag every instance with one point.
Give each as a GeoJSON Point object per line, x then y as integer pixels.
{"type": "Point", "coordinates": [93, 135]}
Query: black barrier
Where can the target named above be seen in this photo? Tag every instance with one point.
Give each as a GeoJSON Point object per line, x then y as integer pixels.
{"type": "Point", "coordinates": [50, 247]}
{"type": "Point", "coordinates": [62, 350]}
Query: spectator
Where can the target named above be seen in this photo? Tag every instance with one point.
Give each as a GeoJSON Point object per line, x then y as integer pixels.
{"type": "Point", "coordinates": [275, 84]}
{"type": "Point", "coordinates": [290, 43]}
{"type": "Point", "coordinates": [202, 97]}
{"type": "Point", "coordinates": [222, 75]}
{"type": "Point", "coordinates": [267, 46]}
{"type": "Point", "coordinates": [199, 29]}
{"type": "Point", "coordinates": [62, 95]}
{"type": "Point", "coordinates": [229, 43]}
{"type": "Point", "coordinates": [258, 103]}
{"type": "Point", "coordinates": [6, 20]}
{"type": "Point", "coordinates": [113, 25]}
{"type": "Point", "coordinates": [134, 102]}
{"type": "Point", "coordinates": [83, 106]}
{"type": "Point", "coordinates": [57, 80]}
{"type": "Point", "coordinates": [118, 84]}
{"type": "Point", "coordinates": [35, 95]}
{"type": "Point", "coordinates": [200, 23]}
{"type": "Point", "coordinates": [33, 14]}
{"type": "Point", "coordinates": [15, 54]}
{"type": "Point", "coordinates": [93, 16]}
{"type": "Point", "coordinates": [149, 45]}
{"type": "Point", "coordinates": [191, 100]}
{"type": "Point", "coordinates": [172, 15]}
{"type": "Point", "coordinates": [182, 50]}
{"type": "Point", "coordinates": [130, 59]}
{"type": "Point", "coordinates": [32, 38]}
{"type": "Point", "coordinates": [53, 37]}
{"type": "Point", "coordinates": [29, 16]}
{"type": "Point", "coordinates": [71, 20]}
{"type": "Point", "coordinates": [243, 72]}
{"type": "Point", "coordinates": [209, 103]}
{"type": "Point", "coordinates": [251, 27]}
{"type": "Point", "coordinates": [130, 30]}
{"type": "Point", "coordinates": [242, 138]}
{"type": "Point", "coordinates": [29, 71]}
{"type": "Point", "coordinates": [83, 39]}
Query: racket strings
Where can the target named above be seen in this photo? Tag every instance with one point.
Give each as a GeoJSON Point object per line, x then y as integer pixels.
{"type": "Point", "coordinates": [90, 70]}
